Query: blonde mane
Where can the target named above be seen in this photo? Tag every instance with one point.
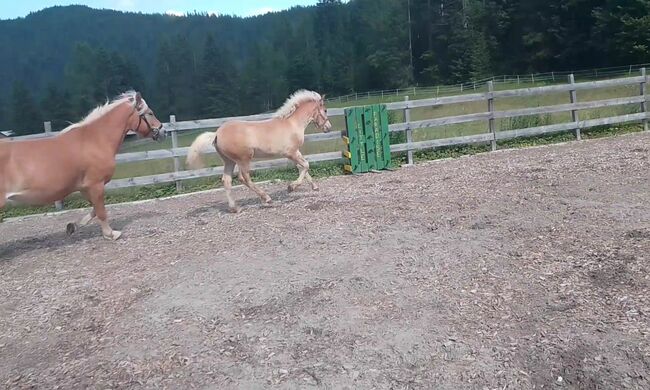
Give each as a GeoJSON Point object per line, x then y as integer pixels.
{"type": "Point", "coordinates": [298, 98]}
{"type": "Point", "coordinates": [103, 109]}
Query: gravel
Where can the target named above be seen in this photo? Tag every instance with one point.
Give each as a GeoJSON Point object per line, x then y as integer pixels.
{"type": "Point", "coordinates": [516, 269]}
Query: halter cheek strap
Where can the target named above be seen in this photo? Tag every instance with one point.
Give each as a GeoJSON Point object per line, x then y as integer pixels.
{"type": "Point", "coordinates": [319, 116]}
{"type": "Point", "coordinates": [143, 117]}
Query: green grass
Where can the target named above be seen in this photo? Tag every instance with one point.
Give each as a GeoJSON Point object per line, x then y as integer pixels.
{"type": "Point", "coordinates": [321, 170]}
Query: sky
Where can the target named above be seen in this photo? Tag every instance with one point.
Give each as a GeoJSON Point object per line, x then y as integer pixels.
{"type": "Point", "coordinates": [10, 9]}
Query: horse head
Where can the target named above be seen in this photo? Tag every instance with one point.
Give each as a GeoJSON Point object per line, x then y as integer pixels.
{"type": "Point", "coordinates": [320, 116]}
{"type": "Point", "coordinates": [148, 125]}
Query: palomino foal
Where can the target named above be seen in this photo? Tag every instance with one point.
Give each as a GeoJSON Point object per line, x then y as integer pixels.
{"type": "Point", "coordinates": [238, 142]}
{"type": "Point", "coordinates": [80, 158]}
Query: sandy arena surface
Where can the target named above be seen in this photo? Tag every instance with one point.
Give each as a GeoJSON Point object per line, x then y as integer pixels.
{"type": "Point", "coordinates": [518, 269]}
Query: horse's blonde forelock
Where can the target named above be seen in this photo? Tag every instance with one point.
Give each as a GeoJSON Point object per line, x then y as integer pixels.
{"type": "Point", "coordinates": [102, 109]}
{"type": "Point", "coordinates": [296, 99]}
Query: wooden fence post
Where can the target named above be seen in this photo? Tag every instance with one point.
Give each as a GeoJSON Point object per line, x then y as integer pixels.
{"type": "Point", "coordinates": [491, 110]}
{"type": "Point", "coordinates": [574, 113]}
{"type": "Point", "coordinates": [47, 126]}
{"type": "Point", "coordinates": [644, 105]}
{"type": "Point", "coordinates": [177, 160]}
{"type": "Point", "coordinates": [409, 131]}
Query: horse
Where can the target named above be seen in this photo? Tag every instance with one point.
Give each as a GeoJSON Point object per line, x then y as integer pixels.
{"type": "Point", "coordinates": [79, 158]}
{"type": "Point", "coordinates": [238, 142]}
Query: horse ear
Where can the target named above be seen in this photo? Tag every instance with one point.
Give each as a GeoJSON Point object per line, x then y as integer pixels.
{"type": "Point", "coordinates": [138, 98]}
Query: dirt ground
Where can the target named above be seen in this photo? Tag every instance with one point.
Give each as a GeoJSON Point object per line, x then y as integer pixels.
{"type": "Point", "coordinates": [518, 269]}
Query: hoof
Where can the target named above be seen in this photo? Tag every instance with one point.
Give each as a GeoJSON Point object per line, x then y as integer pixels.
{"type": "Point", "coordinates": [291, 188]}
{"type": "Point", "coordinates": [71, 228]}
{"type": "Point", "coordinates": [267, 204]}
{"type": "Point", "coordinates": [114, 235]}
{"type": "Point", "coordinates": [235, 210]}
{"type": "Point", "coordinates": [315, 188]}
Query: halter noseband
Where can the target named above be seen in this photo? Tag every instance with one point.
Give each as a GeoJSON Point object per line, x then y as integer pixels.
{"type": "Point", "coordinates": [155, 131]}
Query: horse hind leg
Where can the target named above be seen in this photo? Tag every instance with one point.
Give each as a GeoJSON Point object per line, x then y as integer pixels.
{"type": "Point", "coordinates": [226, 178]}
{"type": "Point", "coordinates": [245, 177]}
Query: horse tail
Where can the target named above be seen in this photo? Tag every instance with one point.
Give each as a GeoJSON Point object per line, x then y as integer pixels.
{"type": "Point", "coordinates": [194, 159]}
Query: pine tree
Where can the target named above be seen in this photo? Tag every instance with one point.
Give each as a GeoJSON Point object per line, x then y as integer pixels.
{"type": "Point", "coordinates": [56, 107]}
{"type": "Point", "coordinates": [177, 78]}
{"type": "Point", "coordinates": [26, 117]}
{"type": "Point", "coordinates": [218, 82]}
{"type": "Point", "coordinates": [623, 29]}
{"type": "Point", "coordinates": [81, 79]}
{"type": "Point", "coordinates": [333, 46]}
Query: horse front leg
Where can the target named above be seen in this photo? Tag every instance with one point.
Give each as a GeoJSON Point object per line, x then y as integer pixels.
{"type": "Point", "coordinates": [303, 168]}
{"type": "Point", "coordinates": [3, 202]}
{"type": "Point", "coordinates": [96, 197]}
{"type": "Point", "coordinates": [72, 227]}
{"type": "Point", "coordinates": [85, 220]}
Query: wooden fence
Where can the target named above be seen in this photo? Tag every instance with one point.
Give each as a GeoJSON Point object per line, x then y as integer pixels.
{"type": "Point", "coordinates": [491, 135]}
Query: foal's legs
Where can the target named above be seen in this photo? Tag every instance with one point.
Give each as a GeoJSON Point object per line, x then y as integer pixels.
{"type": "Point", "coordinates": [226, 178]}
{"type": "Point", "coordinates": [303, 168]}
{"type": "Point", "coordinates": [245, 177]}
{"type": "Point", "coordinates": [96, 197]}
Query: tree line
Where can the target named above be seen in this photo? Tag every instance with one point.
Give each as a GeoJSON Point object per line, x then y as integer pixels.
{"type": "Point", "coordinates": [60, 62]}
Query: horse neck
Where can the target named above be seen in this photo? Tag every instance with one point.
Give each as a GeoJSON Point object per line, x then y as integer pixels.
{"type": "Point", "coordinates": [302, 117]}
{"type": "Point", "coordinates": [111, 128]}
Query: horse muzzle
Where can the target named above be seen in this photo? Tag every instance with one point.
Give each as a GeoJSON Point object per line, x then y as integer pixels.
{"type": "Point", "coordinates": [158, 134]}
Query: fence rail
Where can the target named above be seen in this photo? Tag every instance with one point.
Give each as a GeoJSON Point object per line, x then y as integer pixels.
{"type": "Point", "coordinates": [490, 136]}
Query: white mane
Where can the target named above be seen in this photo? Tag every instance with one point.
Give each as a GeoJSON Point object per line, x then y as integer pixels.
{"type": "Point", "coordinates": [102, 109]}
{"type": "Point", "coordinates": [294, 101]}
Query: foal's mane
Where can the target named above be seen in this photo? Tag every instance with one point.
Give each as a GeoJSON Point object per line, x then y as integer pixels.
{"type": "Point", "coordinates": [297, 98]}
{"type": "Point", "coordinates": [103, 109]}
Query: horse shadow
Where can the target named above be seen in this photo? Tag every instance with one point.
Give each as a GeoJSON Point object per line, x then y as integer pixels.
{"type": "Point", "coordinates": [280, 197]}
{"type": "Point", "coordinates": [60, 239]}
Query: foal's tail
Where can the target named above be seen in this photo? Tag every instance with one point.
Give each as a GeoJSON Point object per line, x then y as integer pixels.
{"type": "Point", "coordinates": [194, 160]}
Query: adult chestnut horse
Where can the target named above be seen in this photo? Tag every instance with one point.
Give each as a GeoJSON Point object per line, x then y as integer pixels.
{"type": "Point", "coordinates": [80, 158]}
{"type": "Point", "coordinates": [238, 142]}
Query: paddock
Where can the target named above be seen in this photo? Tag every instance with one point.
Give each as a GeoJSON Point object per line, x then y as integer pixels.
{"type": "Point", "coordinates": [514, 269]}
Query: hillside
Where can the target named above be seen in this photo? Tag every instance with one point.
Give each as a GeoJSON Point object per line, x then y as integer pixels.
{"type": "Point", "coordinates": [61, 61]}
